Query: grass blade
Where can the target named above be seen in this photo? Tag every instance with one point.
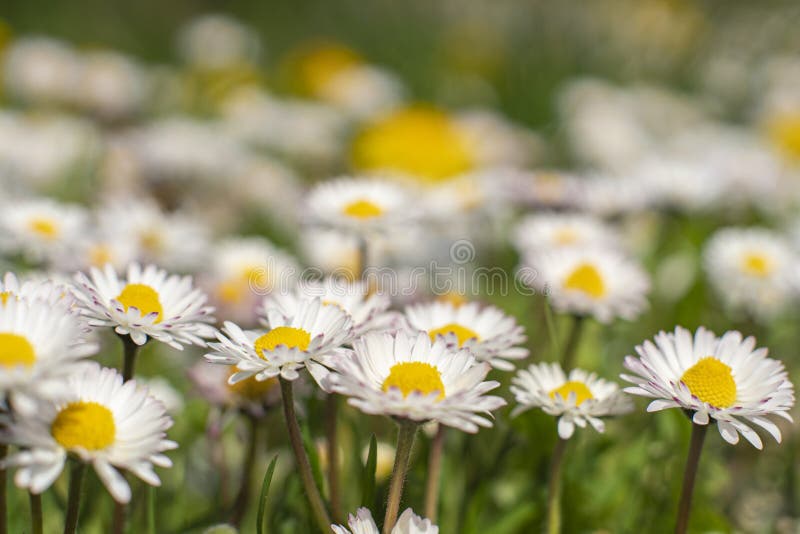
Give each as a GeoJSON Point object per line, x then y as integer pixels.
{"type": "Point", "coordinates": [262, 498]}
{"type": "Point", "coordinates": [368, 477]}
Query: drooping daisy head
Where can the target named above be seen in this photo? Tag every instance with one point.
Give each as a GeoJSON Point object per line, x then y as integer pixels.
{"type": "Point", "coordinates": [600, 283]}
{"type": "Point", "coordinates": [367, 311]}
{"type": "Point", "coordinates": [249, 395]}
{"type": "Point", "coordinates": [576, 399]}
{"type": "Point", "coordinates": [547, 231]}
{"type": "Point", "coordinates": [750, 270]}
{"type": "Point", "coordinates": [40, 229]}
{"type": "Point", "coordinates": [488, 333]}
{"type": "Point", "coordinates": [407, 376]}
{"type": "Point", "coordinates": [408, 523]}
{"type": "Point", "coordinates": [726, 379]}
{"type": "Point", "coordinates": [304, 339]}
{"type": "Point", "coordinates": [102, 421]}
{"type": "Point", "coordinates": [360, 205]}
{"type": "Point", "coordinates": [147, 303]}
{"type": "Point", "coordinates": [40, 345]}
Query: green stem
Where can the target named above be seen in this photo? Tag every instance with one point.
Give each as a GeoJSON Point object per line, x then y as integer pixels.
{"type": "Point", "coordinates": [36, 513]}
{"type": "Point", "coordinates": [554, 488]}
{"type": "Point", "coordinates": [571, 348]}
{"type": "Point", "coordinates": [74, 499]}
{"type": "Point", "coordinates": [243, 495]}
{"type": "Point", "coordinates": [434, 475]}
{"type": "Point", "coordinates": [301, 457]}
{"type": "Point", "coordinates": [363, 257]}
{"type": "Point", "coordinates": [118, 518]}
{"type": "Point", "coordinates": [689, 475]}
{"type": "Point", "coordinates": [402, 455]}
{"type": "Point", "coordinates": [552, 335]}
{"type": "Point", "coordinates": [332, 445]}
{"type": "Point", "coordinates": [130, 351]}
{"type": "Point", "coordinates": [3, 492]}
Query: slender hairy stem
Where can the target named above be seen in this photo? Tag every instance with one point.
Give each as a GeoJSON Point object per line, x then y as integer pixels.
{"type": "Point", "coordinates": [332, 446]}
{"type": "Point", "coordinates": [74, 499]}
{"type": "Point", "coordinates": [434, 475]}
{"type": "Point", "coordinates": [689, 475]}
{"type": "Point", "coordinates": [571, 348]}
{"type": "Point", "coordinates": [552, 335]}
{"type": "Point", "coordinates": [3, 492]}
{"type": "Point", "coordinates": [36, 513]}
{"type": "Point", "coordinates": [130, 351]}
{"type": "Point", "coordinates": [303, 465]}
{"type": "Point", "coordinates": [243, 495]}
{"type": "Point", "coordinates": [118, 518]}
{"type": "Point", "coordinates": [363, 257]}
{"type": "Point", "coordinates": [554, 488]}
{"type": "Point", "coordinates": [405, 440]}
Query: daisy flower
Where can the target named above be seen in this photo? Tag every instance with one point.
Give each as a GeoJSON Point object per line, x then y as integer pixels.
{"type": "Point", "coordinates": [601, 283]}
{"type": "Point", "coordinates": [408, 523]}
{"type": "Point", "coordinates": [726, 379]}
{"type": "Point", "coordinates": [102, 422]}
{"type": "Point", "coordinates": [40, 344]}
{"type": "Point", "coordinates": [367, 311]}
{"type": "Point", "coordinates": [32, 288]}
{"type": "Point", "coordinates": [41, 228]}
{"type": "Point", "coordinates": [576, 399]}
{"type": "Point", "coordinates": [488, 333]}
{"type": "Point", "coordinates": [304, 339]}
{"type": "Point", "coordinates": [750, 269]}
{"type": "Point", "coordinates": [148, 303]}
{"type": "Point", "coordinates": [249, 395]}
{"type": "Point", "coordinates": [555, 230]}
{"type": "Point", "coordinates": [360, 205]}
{"type": "Point", "coordinates": [407, 376]}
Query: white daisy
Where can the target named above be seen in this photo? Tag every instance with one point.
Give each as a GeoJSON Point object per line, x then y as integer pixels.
{"type": "Point", "coordinates": [488, 333]}
{"type": "Point", "coordinates": [536, 189]}
{"type": "Point", "coordinates": [250, 395]}
{"type": "Point", "coordinates": [173, 241]}
{"type": "Point", "coordinates": [104, 422]}
{"type": "Point", "coordinates": [360, 205]}
{"type": "Point", "coordinates": [601, 283]}
{"type": "Point", "coordinates": [367, 311]}
{"type": "Point", "coordinates": [41, 229]}
{"type": "Point", "coordinates": [33, 288]}
{"type": "Point", "coordinates": [148, 303]}
{"type": "Point", "coordinates": [547, 231]}
{"type": "Point", "coordinates": [407, 523]}
{"type": "Point", "coordinates": [576, 399]}
{"type": "Point", "coordinates": [304, 339]}
{"type": "Point", "coordinates": [40, 345]}
{"type": "Point", "coordinates": [750, 269]}
{"type": "Point", "coordinates": [244, 269]}
{"type": "Point", "coordinates": [405, 375]}
{"type": "Point", "coordinates": [726, 379]}
{"type": "Point", "coordinates": [334, 252]}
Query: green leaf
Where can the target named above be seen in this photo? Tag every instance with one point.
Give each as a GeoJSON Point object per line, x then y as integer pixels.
{"type": "Point", "coordinates": [262, 499]}
{"type": "Point", "coordinates": [368, 476]}
{"type": "Point", "coordinates": [313, 457]}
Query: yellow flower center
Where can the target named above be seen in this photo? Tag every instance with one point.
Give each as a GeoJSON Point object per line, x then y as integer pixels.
{"type": "Point", "coordinates": [4, 296]}
{"type": "Point", "coordinates": [320, 65]}
{"type": "Point", "coordinates": [45, 228]}
{"type": "Point", "coordinates": [414, 376]}
{"type": "Point", "coordinates": [251, 388]}
{"type": "Point", "coordinates": [282, 335]}
{"type": "Point", "coordinates": [87, 425]}
{"type": "Point", "coordinates": [784, 131]}
{"type": "Point", "coordinates": [362, 209]}
{"type": "Point", "coordinates": [420, 141]}
{"type": "Point", "coordinates": [711, 381]}
{"type": "Point", "coordinates": [454, 298]}
{"type": "Point", "coordinates": [151, 240]}
{"type": "Point", "coordinates": [15, 350]}
{"type": "Point", "coordinates": [565, 236]}
{"type": "Point", "coordinates": [461, 332]}
{"type": "Point", "coordinates": [99, 255]}
{"type": "Point", "coordinates": [586, 278]}
{"type": "Point", "coordinates": [757, 264]}
{"type": "Point", "coordinates": [143, 298]}
{"type": "Point", "coordinates": [581, 391]}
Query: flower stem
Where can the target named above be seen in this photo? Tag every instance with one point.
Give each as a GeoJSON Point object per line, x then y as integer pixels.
{"type": "Point", "coordinates": [570, 349]}
{"type": "Point", "coordinates": [74, 499]}
{"type": "Point", "coordinates": [36, 513]}
{"type": "Point", "coordinates": [554, 488]}
{"type": "Point", "coordinates": [243, 495]}
{"type": "Point", "coordinates": [130, 351]}
{"type": "Point", "coordinates": [405, 441]}
{"type": "Point", "coordinates": [303, 465]}
{"type": "Point", "coordinates": [332, 445]}
{"type": "Point", "coordinates": [3, 492]}
{"type": "Point", "coordinates": [363, 257]}
{"type": "Point", "coordinates": [689, 475]}
{"type": "Point", "coordinates": [434, 475]}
